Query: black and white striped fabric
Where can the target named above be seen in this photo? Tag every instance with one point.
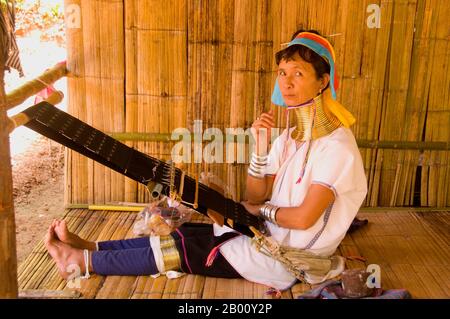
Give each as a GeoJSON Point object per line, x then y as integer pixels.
{"type": "Point", "coordinates": [9, 50]}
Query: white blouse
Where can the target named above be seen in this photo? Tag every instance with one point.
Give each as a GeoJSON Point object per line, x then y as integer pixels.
{"type": "Point", "coordinates": [334, 162]}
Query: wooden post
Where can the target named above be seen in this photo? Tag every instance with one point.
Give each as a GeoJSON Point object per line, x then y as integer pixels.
{"type": "Point", "coordinates": [8, 258]}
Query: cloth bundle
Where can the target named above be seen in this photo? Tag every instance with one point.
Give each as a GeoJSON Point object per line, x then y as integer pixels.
{"type": "Point", "coordinates": [8, 47]}
{"type": "Point", "coordinates": [332, 289]}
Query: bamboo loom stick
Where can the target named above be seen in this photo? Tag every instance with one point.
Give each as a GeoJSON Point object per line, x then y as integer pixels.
{"type": "Point", "coordinates": [404, 145]}
{"type": "Point", "coordinates": [136, 207]}
{"type": "Point", "coordinates": [106, 207]}
{"type": "Point", "coordinates": [407, 209]}
{"type": "Point", "coordinates": [371, 144]}
{"type": "Point", "coordinates": [22, 119]}
{"type": "Point", "coordinates": [19, 95]}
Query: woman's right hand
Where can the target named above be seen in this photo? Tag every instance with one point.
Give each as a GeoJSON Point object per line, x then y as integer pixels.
{"type": "Point", "coordinates": [261, 136]}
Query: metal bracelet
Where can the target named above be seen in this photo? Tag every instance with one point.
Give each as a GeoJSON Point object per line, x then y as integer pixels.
{"type": "Point", "coordinates": [262, 211]}
{"type": "Point", "coordinates": [257, 171]}
{"type": "Point", "coordinates": [260, 158]}
{"type": "Point", "coordinates": [257, 167]}
{"type": "Point", "coordinates": [269, 212]}
{"type": "Point", "coordinates": [255, 175]}
{"type": "Point", "coordinates": [273, 214]}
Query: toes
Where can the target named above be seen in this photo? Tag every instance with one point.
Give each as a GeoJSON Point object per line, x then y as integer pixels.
{"type": "Point", "coordinates": [51, 234]}
{"type": "Point", "coordinates": [60, 224]}
{"type": "Point", "coordinates": [49, 230]}
{"type": "Point", "coordinates": [61, 228]}
{"type": "Point", "coordinates": [48, 237]}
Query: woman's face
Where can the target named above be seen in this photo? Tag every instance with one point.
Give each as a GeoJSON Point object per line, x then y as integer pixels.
{"type": "Point", "coordinates": [298, 81]}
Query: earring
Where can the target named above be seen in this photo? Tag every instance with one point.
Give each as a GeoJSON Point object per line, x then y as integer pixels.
{"type": "Point", "coordinates": [320, 91]}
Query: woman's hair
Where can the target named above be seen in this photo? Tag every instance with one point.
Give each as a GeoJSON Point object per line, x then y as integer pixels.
{"type": "Point", "coordinates": [320, 65]}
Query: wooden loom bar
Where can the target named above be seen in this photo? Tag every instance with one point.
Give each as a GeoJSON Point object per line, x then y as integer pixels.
{"type": "Point", "coordinates": [136, 207]}
{"type": "Point", "coordinates": [49, 294]}
{"type": "Point", "coordinates": [400, 145]}
{"type": "Point", "coordinates": [22, 119]}
{"type": "Point", "coordinates": [120, 208]}
{"type": "Point", "coordinates": [404, 145]}
{"type": "Point", "coordinates": [405, 209]}
{"type": "Point", "coordinates": [19, 95]}
{"type": "Point", "coordinates": [8, 256]}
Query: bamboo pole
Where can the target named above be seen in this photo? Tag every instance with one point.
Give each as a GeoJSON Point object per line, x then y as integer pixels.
{"type": "Point", "coordinates": [403, 209]}
{"type": "Point", "coordinates": [19, 95]}
{"type": "Point", "coordinates": [137, 207]}
{"type": "Point", "coordinates": [8, 257]}
{"type": "Point", "coordinates": [22, 119]}
{"type": "Point", "coordinates": [404, 145]}
{"type": "Point", "coordinates": [362, 143]}
{"type": "Point", "coordinates": [120, 208]}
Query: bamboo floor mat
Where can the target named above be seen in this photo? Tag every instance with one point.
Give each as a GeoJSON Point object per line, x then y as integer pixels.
{"type": "Point", "coordinates": [412, 250]}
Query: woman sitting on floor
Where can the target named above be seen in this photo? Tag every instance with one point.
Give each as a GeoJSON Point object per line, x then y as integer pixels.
{"type": "Point", "coordinates": [313, 177]}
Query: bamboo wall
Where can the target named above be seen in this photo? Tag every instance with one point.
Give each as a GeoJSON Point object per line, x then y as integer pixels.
{"type": "Point", "coordinates": [152, 66]}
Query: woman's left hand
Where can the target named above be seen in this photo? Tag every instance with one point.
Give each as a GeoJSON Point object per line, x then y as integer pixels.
{"type": "Point", "coordinates": [252, 208]}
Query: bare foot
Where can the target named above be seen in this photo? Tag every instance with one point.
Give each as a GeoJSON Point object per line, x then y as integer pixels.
{"type": "Point", "coordinates": [64, 255]}
{"type": "Point", "coordinates": [64, 235]}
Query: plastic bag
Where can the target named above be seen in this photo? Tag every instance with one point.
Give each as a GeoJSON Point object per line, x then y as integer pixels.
{"type": "Point", "coordinates": [162, 217]}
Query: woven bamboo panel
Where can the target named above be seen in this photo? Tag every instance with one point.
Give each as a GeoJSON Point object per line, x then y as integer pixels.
{"type": "Point", "coordinates": [156, 75]}
{"type": "Point", "coordinates": [153, 66]}
{"type": "Point", "coordinates": [436, 170]}
{"type": "Point", "coordinates": [96, 94]}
